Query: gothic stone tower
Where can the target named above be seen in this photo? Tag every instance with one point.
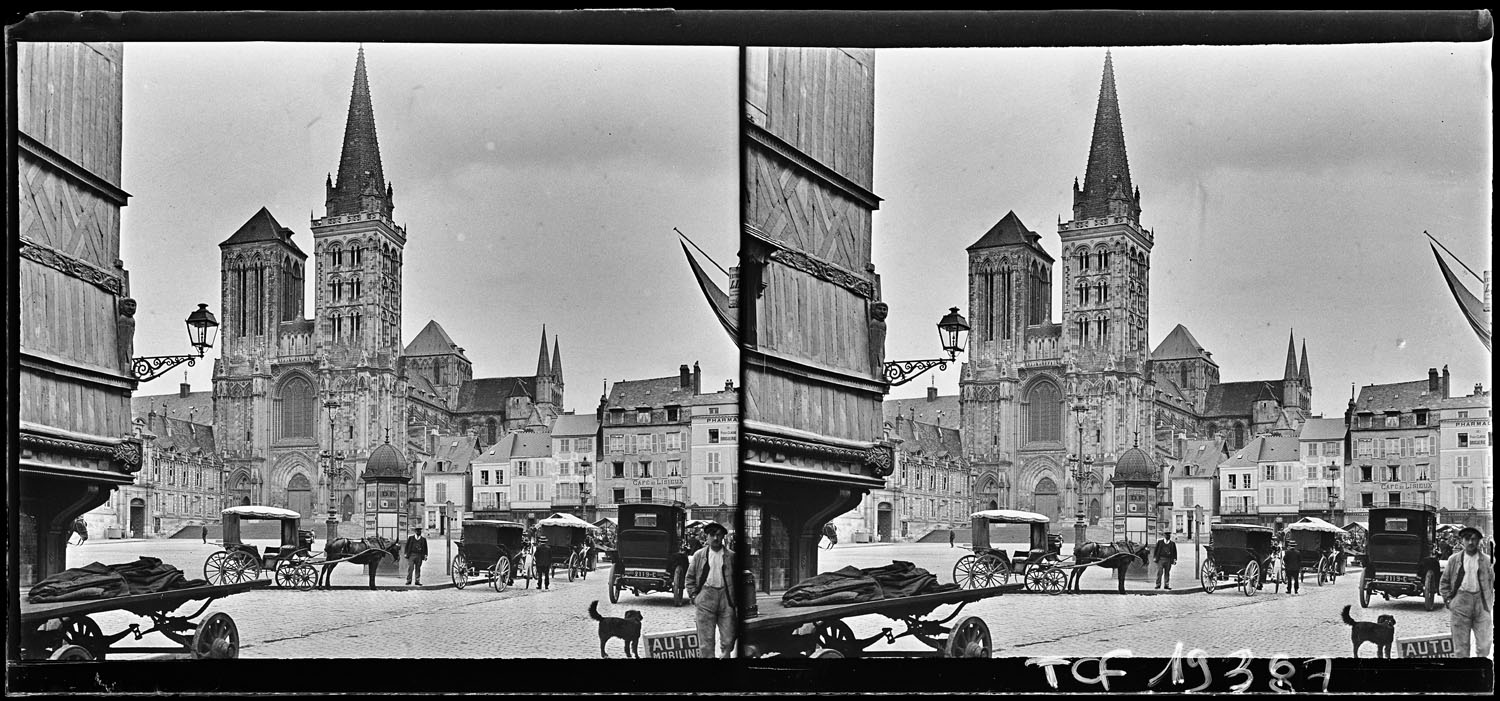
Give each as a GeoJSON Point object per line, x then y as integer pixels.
{"type": "Point", "coordinates": [262, 292]}
{"type": "Point", "coordinates": [359, 248]}
{"type": "Point", "coordinates": [1106, 261]}
{"type": "Point", "coordinates": [1010, 392]}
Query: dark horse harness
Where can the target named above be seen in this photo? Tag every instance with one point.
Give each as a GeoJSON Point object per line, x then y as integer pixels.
{"type": "Point", "coordinates": [364, 551]}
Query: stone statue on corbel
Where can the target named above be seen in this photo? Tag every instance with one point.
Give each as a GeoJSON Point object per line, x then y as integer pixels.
{"type": "Point", "coordinates": [878, 313]}
{"type": "Point", "coordinates": [125, 333]}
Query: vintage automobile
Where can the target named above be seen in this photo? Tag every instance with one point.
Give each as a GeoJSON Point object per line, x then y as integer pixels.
{"type": "Point", "coordinates": [649, 554]}
{"type": "Point", "coordinates": [1401, 554]}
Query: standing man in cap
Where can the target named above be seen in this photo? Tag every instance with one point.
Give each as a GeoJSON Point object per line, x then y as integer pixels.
{"type": "Point", "coordinates": [1292, 561]}
{"type": "Point", "coordinates": [711, 586]}
{"type": "Point", "coordinates": [1469, 588]}
{"type": "Point", "coordinates": [416, 552]}
{"type": "Point", "coordinates": [1165, 554]}
{"type": "Point", "coordinates": [543, 557]}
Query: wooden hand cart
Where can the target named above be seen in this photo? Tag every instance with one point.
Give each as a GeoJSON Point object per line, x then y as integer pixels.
{"type": "Point", "coordinates": [64, 631]}
{"type": "Point", "coordinates": [820, 631]}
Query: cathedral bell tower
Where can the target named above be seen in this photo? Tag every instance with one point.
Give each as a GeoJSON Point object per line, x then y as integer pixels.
{"type": "Point", "coordinates": [1106, 261]}
{"type": "Point", "coordinates": [359, 250]}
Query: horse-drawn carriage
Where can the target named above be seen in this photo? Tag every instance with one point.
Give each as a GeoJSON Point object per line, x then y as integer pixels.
{"type": "Point", "coordinates": [1237, 552]}
{"type": "Point", "coordinates": [1401, 555]}
{"type": "Point", "coordinates": [1318, 543]}
{"type": "Point", "coordinates": [650, 553]}
{"type": "Point", "coordinates": [568, 534]}
{"type": "Point", "coordinates": [988, 566]}
{"type": "Point", "coordinates": [291, 561]}
{"type": "Point", "coordinates": [488, 550]}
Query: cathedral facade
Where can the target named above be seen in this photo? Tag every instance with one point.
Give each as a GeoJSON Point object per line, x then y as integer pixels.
{"type": "Point", "coordinates": [1038, 396]}
{"type": "Point", "coordinates": [300, 403]}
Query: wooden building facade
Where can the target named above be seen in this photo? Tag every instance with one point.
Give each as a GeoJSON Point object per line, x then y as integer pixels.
{"type": "Point", "coordinates": [77, 321]}
{"type": "Point", "coordinates": [811, 321]}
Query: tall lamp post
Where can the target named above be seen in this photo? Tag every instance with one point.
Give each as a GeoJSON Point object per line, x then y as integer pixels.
{"type": "Point", "coordinates": [1082, 468]}
{"type": "Point", "coordinates": [330, 472]}
{"type": "Point", "coordinates": [951, 330]}
{"type": "Point", "coordinates": [202, 327]}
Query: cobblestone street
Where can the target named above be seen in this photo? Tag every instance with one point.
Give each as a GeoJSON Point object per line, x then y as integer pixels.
{"type": "Point", "coordinates": [1146, 623]}
{"type": "Point", "coordinates": [396, 621]}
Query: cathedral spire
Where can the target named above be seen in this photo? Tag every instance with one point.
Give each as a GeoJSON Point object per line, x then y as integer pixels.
{"type": "Point", "coordinates": [1291, 358]}
{"type": "Point", "coordinates": [557, 358]}
{"type": "Point", "coordinates": [543, 365]}
{"type": "Point", "coordinates": [361, 185]}
{"type": "Point", "coordinates": [1106, 184]}
{"type": "Point", "coordinates": [1302, 372]}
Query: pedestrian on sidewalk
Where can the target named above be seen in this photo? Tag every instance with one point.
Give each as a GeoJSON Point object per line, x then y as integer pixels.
{"type": "Point", "coordinates": [951, 537]}
{"type": "Point", "coordinates": [1165, 554]}
{"type": "Point", "coordinates": [205, 534]}
{"type": "Point", "coordinates": [543, 561]}
{"type": "Point", "coordinates": [1468, 585]}
{"type": "Point", "coordinates": [416, 552]}
{"type": "Point", "coordinates": [1292, 561]}
{"type": "Point", "coordinates": [711, 586]}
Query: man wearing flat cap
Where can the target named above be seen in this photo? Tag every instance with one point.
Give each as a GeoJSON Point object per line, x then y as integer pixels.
{"type": "Point", "coordinates": [1469, 588]}
{"type": "Point", "coordinates": [710, 583]}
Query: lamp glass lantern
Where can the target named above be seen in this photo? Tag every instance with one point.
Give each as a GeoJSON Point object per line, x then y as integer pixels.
{"type": "Point", "coordinates": [951, 330]}
{"type": "Point", "coordinates": [202, 328]}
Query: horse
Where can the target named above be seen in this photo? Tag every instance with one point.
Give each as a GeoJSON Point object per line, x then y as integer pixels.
{"type": "Point", "coordinates": [1109, 556]}
{"type": "Point", "coordinates": [82, 529]}
{"type": "Point", "coordinates": [363, 551]}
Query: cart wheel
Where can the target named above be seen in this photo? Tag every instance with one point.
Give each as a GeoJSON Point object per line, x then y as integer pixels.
{"type": "Point", "coordinates": [1429, 593]}
{"type": "Point", "coordinates": [1250, 578]}
{"type": "Point", "coordinates": [459, 571]}
{"type": "Point", "coordinates": [83, 632]}
{"type": "Point", "coordinates": [293, 574]}
{"type": "Point", "coordinates": [970, 638]}
{"type": "Point", "coordinates": [306, 576]}
{"type": "Point", "coordinates": [1054, 581]}
{"type": "Point", "coordinates": [572, 569]}
{"type": "Point", "coordinates": [216, 638]}
{"type": "Point", "coordinates": [71, 653]}
{"type": "Point", "coordinates": [1209, 575]}
{"type": "Point", "coordinates": [679, 580]}
{"type": "Point", "coordinates": [964, 574]}
{"type": "Point", "coordinates": [241, 567]}
{"type": "Point", "coordinates": [614, 585]}
{"type": "Point", "coordinates": [1364, 590]}
{"type": "Point", "coordinates": [994, 570]}
{"type": "Point", "coordinates": [836, 636]}
{"type": "Point", "coordinates": [215, 568]}
{"type": "Point", "coordinates": [500, 574]}
{"type": "Point", "coordinates": [825, 653]}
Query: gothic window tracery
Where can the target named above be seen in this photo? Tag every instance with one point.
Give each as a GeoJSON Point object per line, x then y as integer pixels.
{"type": "Point", "coordinates": [295, 408]}
{"type": "Point", "coordinates": [1044, 412]}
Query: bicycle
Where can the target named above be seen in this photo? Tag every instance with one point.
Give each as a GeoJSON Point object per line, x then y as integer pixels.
{"type": "Point", "coordinates": [525, 564]}
{"type": "Point", "coordinates": [1275, 571]}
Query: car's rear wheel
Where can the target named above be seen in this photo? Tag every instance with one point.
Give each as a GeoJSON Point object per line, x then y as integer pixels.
{"type": "Point", "coordinates": [614, 587]}
{"type": "Point", "coordinates": [1364, 589]}
{"type": "Point", "coordinates": [1429, 593]}
{"type": "Point", "coordinates": [679, 580]}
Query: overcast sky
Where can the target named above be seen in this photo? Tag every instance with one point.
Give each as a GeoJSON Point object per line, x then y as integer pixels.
{"type": "Point", "coordinates": [537, 184]}
{"type": "Point", "coordinates": [1288, 188]}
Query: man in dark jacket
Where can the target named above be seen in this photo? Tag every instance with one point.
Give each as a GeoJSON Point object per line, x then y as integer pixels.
{"type": "Point", "coordinates": [543, 561]}
{"type": "Point", "coordinates": [1292, 561]}
{"type": "Point", "coordinates": [416, 552]}
{"type": "Point", "coordinates": [1165, 555]}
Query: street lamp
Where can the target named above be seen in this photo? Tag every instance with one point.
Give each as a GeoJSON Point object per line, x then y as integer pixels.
{"type": "Point", "coordinates": [1082, 468]}
{"type": "Point", "coordinates": [331, 469]}
{"type": "Point", "coordinates": [202, 327]}
{"type": "Point", "coordinates": [951, 330]}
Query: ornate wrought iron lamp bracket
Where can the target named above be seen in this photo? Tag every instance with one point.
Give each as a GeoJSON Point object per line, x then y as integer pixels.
{"type": "Point", "coordinates": [900, 372]}
{"type": "Point", "coordinates": [149, 368]}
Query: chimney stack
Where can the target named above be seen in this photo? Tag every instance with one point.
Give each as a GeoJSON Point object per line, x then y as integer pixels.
{"type": "Point", "coordinates": [1446, 384]}
{"type": "Point", "coordinates": [1478, 388]}
{"type": "Point", "coordinates": [931, 393]}
{"type": "Point", "coordinates": [184, 389]}
{"type": "Point", "coordinates": [729, 385]}
{"type": "Point", "coordinates": [698, 377]}
{"type": "Point", "coordinates": [1432, 380]}
{"type": "Point", "coordinates": [684, 379]}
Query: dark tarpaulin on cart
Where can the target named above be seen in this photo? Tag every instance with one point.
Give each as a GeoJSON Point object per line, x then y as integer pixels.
{"type": "Point", "coordinates": [850, 585]}
{"type": "Point", "coordinates": [95, 580]}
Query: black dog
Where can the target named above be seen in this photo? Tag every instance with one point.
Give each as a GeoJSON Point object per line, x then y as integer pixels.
{"type": "Point", "coordinates": [627, 629]}
{"type": "Point", "coordinates": [1381, 631]}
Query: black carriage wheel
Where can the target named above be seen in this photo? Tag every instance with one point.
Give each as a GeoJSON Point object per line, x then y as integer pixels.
{"type": "Point", "coordinates": [84, 632]}
{"type": "Point", "coordinates": [836, 635]}
{"type": "Point", "coordinates": [614, 585]}
{"type": "Point", "coordinates": [970, 638]}
{"type": "Point", "coordinates": [1034, 580]}
{"type": "Point", "coordinates": [242, 567]}
{"type": "Point", "coordinates": [1429, 593]}
{"type": "Point", "coordinates": [1250, 578]}
{"type": "Point", "coordinates": [459, 571]}
{"type": "Point", "coordinates": [71, 653]}
{"type": "Point", "coordinates": [216, 638]}
{"type": "Point", "coordinates": [1054, 581]}
{"type": "Point", "coordinates": [679, 581]}
{"type": "Point", "coordinates": [305, 576]}
{"type": "Point", "coordinates": [1209, 575]}
{"type": "Point", "coordinates": [572, 568]}
{"type": "Point", "coordinates": [500, 574]}
{"type": "Point", "coordinates": [963, 572]}
{"type": "Point", "coordinates": [215, 568]}
{"type": "Point", "coordinates": [1364, 590]}
{"type": "Point", "coordinates": [994, 569]}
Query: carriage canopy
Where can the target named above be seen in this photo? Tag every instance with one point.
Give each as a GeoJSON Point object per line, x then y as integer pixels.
{"type": "Point", "coordinates": [1009, 516]}
{"type": "Point", "coordinates": [1313, 523]}
{"type": "Point", "coordinates": [566, 521]}
{"type": "Point", "coordinates": [290, 520]}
